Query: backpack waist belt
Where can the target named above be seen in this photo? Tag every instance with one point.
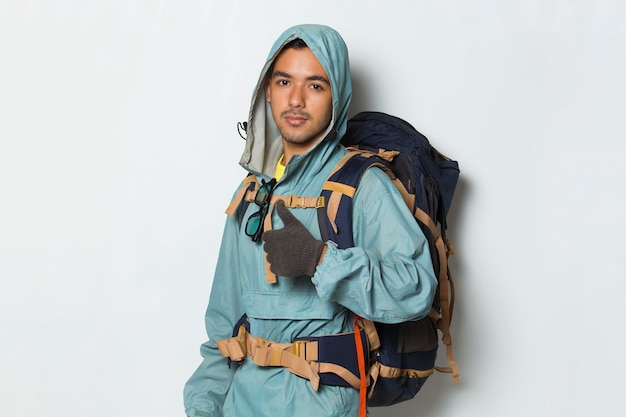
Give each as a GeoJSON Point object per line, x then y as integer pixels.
{"type": "Point", "coordinates": [326, 360]}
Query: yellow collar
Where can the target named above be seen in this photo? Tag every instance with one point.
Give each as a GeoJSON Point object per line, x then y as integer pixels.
{"type": "Point", "coordinates": [280, 168]}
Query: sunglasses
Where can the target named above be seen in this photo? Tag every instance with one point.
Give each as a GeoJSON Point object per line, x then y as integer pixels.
{"type": "Point", "coordinates": [254, 225]}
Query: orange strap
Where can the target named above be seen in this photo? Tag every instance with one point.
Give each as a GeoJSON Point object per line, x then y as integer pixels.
{"type": "Point", "coordinates": [362, 375]}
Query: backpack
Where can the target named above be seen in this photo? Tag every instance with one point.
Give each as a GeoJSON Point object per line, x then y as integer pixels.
{"type": "Point", "coordinates": [426, 180]}
{"type": "Point", "coordinates": [400, 356]}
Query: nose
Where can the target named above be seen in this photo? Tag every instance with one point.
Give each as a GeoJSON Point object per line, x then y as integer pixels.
{"type": "Point", "coordinates": [296, 99]}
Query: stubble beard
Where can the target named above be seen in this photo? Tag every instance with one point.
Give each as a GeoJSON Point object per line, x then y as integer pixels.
{"type": "Point", "coordinates": [294, 135]}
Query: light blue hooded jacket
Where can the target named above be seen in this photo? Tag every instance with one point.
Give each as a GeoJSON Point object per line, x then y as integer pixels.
{"type": "Point", "coordinates": [386, 277]}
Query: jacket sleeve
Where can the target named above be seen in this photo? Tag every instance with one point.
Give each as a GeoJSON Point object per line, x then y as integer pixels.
{"type": "Point", "coordinates": [206, 390]}
{"type": "Point", "coordinates": [388, 275]}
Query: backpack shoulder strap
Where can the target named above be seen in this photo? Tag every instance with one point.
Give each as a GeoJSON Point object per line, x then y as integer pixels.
{"type": "Point", "coordinates": [335, 217]}
{"type": "Point", "coordinates": [248, 186]}
{"type": "Point", "coordinates": [248, 189]}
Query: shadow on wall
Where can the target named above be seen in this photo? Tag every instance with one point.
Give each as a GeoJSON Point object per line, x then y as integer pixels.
{"type": "Point", "coordinates": [456, 216]}
{"type": "Point", "coordinates": [361, 99]}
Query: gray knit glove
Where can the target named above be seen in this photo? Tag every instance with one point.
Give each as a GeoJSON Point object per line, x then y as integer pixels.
{"type": "Point", "coordinates": [291, 251]}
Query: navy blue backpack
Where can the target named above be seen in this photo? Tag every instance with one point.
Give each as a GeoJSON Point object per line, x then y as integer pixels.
{"type": "Point", "coordinates": [427, 180]}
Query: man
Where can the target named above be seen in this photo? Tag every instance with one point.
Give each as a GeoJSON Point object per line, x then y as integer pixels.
{"type": "Point", "coordinates": [274, 268]}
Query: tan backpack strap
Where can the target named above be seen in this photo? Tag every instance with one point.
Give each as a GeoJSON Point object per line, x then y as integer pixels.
{"type": "Point", "coordinates": [446, 295]}
{"type": "Point", "coordinates": [270, 354]}
{"type": "Point", "coordinates": [379, 370]}
{"type": "Point", "coordinates": [386, 155]}
{"type": "Point", "coordinates": [232, 207]}
{"type": "Point", "coordinates": [294, 357]}
{"type": "Point", "coordinates": [231, 348]}
{"type": "Point", "coordinates": [300, 357]}
{"type": "Point", "coordinates": [337, 190]}
{"type": "Point", "coordinates": [447, 338]}
{"type": "Point", "coordinates": [296, 201]}
{"type": "Point", "coordinates": [333, 208]}
{"type": "Point", "coordinates": [450, 249]}
{"type": "Point", "coordinates": [390, 372]}
{"type": "Point", "coordinates": [346, 375]}
{"type": "Point", "coordinates": [344, 159]}
{"type": "Point", "coordinates": [370, 331]}
{"type": "Point", "coordinates": [235, 348]}
{"type": "Point", "coordinates": [291, 201]}
{"type": "Point", "coordinates": [270, 277]}
{"type": "Point", "coordinates": [373, 374]}
{"type": "Point", "coordinates": [382, 153]}
{"type": "Point", "coordinates": [409, 199]}
{"type": "Point", "coordinates": [452, 292]}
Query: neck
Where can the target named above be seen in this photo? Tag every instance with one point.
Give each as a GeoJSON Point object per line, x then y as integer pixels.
{"type": "Point", "coordinates": [291, 149]}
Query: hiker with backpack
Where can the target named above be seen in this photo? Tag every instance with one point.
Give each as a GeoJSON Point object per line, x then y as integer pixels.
{"type": "Point", "coordinates": [288, 314]}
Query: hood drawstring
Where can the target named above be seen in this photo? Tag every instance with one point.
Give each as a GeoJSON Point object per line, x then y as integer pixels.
{"type": "Point", "coordinates": [242, 126]}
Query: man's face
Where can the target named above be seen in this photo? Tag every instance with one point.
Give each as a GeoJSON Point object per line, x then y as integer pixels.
{"type": "Point", "coordinates": [300, 96]}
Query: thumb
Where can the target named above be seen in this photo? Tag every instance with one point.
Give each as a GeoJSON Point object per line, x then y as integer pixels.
{"type": "Point", "coordinates": [284, 213]}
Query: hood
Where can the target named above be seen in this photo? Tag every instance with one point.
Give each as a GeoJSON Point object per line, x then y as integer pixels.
{"type": "Point", "coordinates": [263, 144]}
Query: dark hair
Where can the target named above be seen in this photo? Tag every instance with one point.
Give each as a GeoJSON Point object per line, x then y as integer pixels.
{"type": "Point", "coordinates": [293, 44]}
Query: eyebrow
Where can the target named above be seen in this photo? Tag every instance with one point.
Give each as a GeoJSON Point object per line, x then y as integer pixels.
{"type": "Point", "coordinates": [311, 78]}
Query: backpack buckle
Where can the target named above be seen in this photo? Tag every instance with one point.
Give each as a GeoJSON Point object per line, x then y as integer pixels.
{"type": "Point", "coordinates": [298, 201]}
{"type": "Point", "coordinates": [298, 348]}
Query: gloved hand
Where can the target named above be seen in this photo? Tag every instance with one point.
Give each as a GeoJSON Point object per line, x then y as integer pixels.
{"type": "Point", "coordinates": [291, 251]}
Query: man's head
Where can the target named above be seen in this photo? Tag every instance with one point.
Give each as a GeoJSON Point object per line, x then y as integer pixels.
{"type": "Point", "coordinates": [278, 125]}
{"type": "Point", "coordinates": [300, 96]}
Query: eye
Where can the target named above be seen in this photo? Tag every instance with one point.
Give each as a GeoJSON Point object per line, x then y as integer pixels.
{"type": "Point", "coordinates": [282, 82]}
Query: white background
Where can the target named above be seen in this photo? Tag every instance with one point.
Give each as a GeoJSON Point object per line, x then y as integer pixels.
{"type": "Point", "coordinates": [119, 154]}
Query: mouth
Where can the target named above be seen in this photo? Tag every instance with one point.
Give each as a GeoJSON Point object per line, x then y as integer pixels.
{"type": "Point", "coordinates": [295, 119]}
